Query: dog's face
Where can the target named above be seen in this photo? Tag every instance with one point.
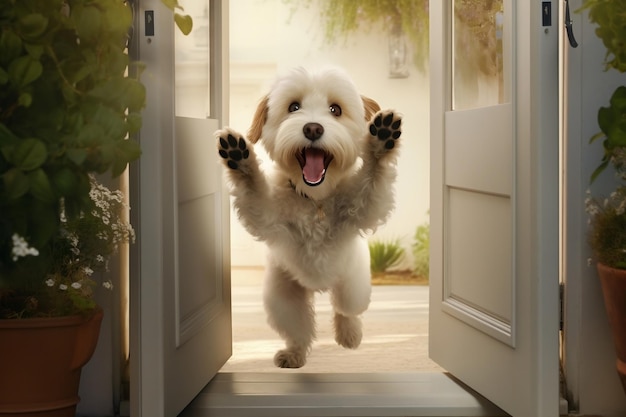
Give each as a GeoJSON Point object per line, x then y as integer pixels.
{"type": "Point", "coordinates": [312, 125]}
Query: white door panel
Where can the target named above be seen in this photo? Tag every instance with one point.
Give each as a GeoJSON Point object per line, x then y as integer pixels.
{"type": "Point", "coordinates": [478, 280]}
{"type": "Point", "coordinates": [180, 311]}
{"type": "Point", "coordinates": [494, 202]}
{"type": "Point", "coordinates": [478, 149]}
{"type": "Point", "coordinates": [200, 293]}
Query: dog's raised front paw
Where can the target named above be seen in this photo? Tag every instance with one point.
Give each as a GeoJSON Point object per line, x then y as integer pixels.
{"type": "Point", "coordinates": [233, 148]}
{"type": "Point", "coordinates": [289, 359]}
{"type": "Point", "coordinates": [385, 126]}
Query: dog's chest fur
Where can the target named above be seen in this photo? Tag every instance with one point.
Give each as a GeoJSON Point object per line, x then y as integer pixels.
{"type": "Point", "coordinates": [311, 236]}
{"type": "Point", "coordinates": [308, 221]}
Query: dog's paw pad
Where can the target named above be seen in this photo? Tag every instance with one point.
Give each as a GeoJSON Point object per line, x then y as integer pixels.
{"type": "Point", "coordinates": [386, 127]}
{"type": "Point", "coordinates": [233, 150]}
{"type": "Point", "coordinates": [289, 359]}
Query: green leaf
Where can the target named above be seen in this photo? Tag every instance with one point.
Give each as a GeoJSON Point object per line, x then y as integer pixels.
{"type": "Point", "coordinates": [24, 70]}
{"type": "Point", "coordinates": [34, 50]}
{"type": "Point", "coordinates": [597, 136]}
{"type": "Point", "coordinates": [32, 26]}
{"type": "Point", "coordinates": [10, 45]}
{"type": "Point", "coordinates": [29, 154]}
{"type": "Point", "coordinates": [6, 136]}
{"type": "Point", "coordinates": [127, 151]}
{"type": "Point", "coordinates": [65, 181]}
{"type": "Point", "coordinates": [40, 186]}
{"type": "Point", "coordinates": [133, 122]}
{"type": "Point", "coordinates": [25, 99]}
{"type": "Point", "coordinates": [184, 23]}
{"type": "Point", "coordinates": [135, 95]}
{"type": "Point", "coordinates": [618, 99]}
{"type": "Point", "coordinates": [4, 76]}
{"type": "Point", "coordinates": [16, 183]}
{"type": "Point", "coordinates": [77, 156]}
{"type": "Point", "coordinates": [88, 21]}
{"type": "Point", "coordinates": [599, 170]}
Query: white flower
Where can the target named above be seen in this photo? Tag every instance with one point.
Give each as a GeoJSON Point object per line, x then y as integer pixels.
{"type": "Point", "coordinates": [50, 282]}
{"type": "Point", "coordinates": [21, 248]}
{"type": "Point", "coordinates": [63, 287]}
{"type": "Point", "coordinates": [108, 285]}
{"type": "Point", "coordinates": [76, 285]}
{"type": "Point", "coordinates": [88, 271]}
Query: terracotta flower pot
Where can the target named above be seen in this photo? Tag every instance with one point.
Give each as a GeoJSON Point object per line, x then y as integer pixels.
{"type": "Point", "coordinates": [40, 362]}
{"type": "Point", "coordinates": [614, 291]}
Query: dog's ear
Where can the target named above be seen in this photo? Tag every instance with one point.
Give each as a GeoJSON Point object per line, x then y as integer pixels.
{"type": "Point", "coordinates": [371, 107]}
{"type": "Point", "coordinates": [258, 121]}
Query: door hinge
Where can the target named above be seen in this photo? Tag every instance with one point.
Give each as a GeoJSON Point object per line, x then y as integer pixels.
{"type": "Point", "coordinates": [561, 305]}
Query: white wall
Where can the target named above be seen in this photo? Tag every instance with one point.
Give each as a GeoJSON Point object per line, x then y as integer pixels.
{"type": "Point", "coordinates": [593, 383]}
{"type": "Point", "coordinates": [267, 39]}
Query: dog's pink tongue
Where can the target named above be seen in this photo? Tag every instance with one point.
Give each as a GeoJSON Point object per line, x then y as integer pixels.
{"type": "Point", "coordinates": [313, 170]}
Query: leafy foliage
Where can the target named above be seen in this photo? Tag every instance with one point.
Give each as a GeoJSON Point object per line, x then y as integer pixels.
{"type": "Point", "coordinates": [607, 218]}
{"type": "Point", "coordinates": [344, 17]}
{"type": "Point", "coordinates": [184, 22]}
{"type": "Point", "coordinates": [67, 109]}
{"type": "Point", "coordinates": [607, 235]}
{"type": "Point", "coordinates": [610, 16]}
{"type": "Point", "coordinates": [612, 123]}
{"type": "Point", "coordinates": [82, 247]}
{"type": "Point", "coordinates": [384, 255]}
{"type": "Point", "coordinates": [421, 250]}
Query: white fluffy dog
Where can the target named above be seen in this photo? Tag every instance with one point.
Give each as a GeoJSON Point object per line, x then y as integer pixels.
{"type": "Point", "coordinates": [334, 156]}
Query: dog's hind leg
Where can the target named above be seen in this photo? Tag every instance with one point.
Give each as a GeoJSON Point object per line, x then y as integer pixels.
{"type": "Point", "coordinates": [289, 308]}
{"type": "Point", "coordinates": [350, 298]}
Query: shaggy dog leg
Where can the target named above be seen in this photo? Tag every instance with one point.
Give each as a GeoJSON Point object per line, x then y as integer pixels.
{"type": "Point", "coordinates": [351, 297]}
{"type": "Point", "coordinates": [289, 308]}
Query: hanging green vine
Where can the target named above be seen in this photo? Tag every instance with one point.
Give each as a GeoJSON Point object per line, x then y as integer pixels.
{"type": "Point", "coordinates": [344, 17]}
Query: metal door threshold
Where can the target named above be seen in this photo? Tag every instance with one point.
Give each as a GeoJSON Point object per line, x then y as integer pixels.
{"type": "Point", "coordinates": [291, 394]}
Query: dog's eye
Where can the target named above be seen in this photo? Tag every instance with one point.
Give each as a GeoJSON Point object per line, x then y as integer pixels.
{"type": "Point", "coordinates": [335, 110]}
{"type": "Point", "coordinates": [295, 106]}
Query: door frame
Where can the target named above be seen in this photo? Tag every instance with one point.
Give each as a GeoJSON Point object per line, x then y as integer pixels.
{"type": "Point", "coordinates": [136, 347]}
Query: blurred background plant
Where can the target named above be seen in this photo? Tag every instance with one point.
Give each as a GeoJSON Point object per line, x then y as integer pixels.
{"type": "Point", "coordinates": [384, 255]}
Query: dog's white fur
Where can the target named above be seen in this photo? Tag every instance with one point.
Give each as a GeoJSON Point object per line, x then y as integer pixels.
{"type": "Point", "coordinates": [315, 234]}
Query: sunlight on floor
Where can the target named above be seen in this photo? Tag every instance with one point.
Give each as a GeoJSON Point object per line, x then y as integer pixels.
{"type": "Point", "coordinates": [395, 331]}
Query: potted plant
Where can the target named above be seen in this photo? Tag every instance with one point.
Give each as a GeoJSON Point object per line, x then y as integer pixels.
{"type": "Point", "coordinates": [70, 102]}
{"type": "Point", "coordinates": [607, 233]}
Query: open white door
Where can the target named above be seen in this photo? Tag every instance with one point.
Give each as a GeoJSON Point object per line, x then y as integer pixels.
{"type": "Point", "coordinates": [180, 271]}
{"type": "Point", "coordinates": [494, 304]}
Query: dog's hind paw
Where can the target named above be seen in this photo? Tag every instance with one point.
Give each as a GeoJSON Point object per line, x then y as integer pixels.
{"type": "Point", "coordinates": [385, 126]}
{"type": "Point", "coordinates": [289, 359]}
{"type": "Point", "coordinates": [348, 331]}
{"type": "Point", "coordinates": [233, 148]}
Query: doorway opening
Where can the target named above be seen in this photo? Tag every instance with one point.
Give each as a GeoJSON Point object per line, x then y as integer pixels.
{"type": "Point", "coordinates": [267, 38]}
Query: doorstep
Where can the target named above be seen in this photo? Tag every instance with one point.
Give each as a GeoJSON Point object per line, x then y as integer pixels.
{"type": "Point", "coordinates": [290, 394]}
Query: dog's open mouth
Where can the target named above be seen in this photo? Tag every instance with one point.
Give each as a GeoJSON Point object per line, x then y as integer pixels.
{"type": "Point", "coordinates": [314, 162]}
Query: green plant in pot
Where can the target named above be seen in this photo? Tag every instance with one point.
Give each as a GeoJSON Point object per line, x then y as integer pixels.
{"type": "Point", "coordinates": [607, 215]}
{"type": "Point", "coordinates": [70, 102]}
{"type": "Point", "coordinates": [67, 108]}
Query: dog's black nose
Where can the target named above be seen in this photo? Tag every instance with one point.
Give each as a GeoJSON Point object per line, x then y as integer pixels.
{"type": "Point", "coordinates": [313, 131]}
